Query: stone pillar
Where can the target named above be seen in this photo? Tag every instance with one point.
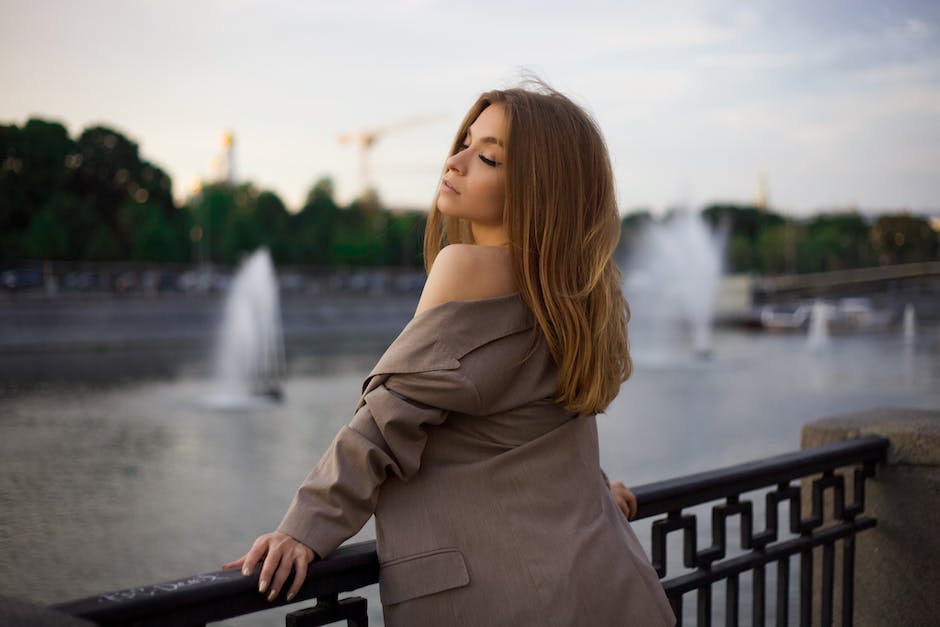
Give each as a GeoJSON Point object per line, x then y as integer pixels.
{"type": "Point", "coordinates": [897, 564]}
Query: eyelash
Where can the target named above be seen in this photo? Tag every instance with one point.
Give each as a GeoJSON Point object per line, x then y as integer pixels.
{"type": "Point", "coordinates": [488, 162]}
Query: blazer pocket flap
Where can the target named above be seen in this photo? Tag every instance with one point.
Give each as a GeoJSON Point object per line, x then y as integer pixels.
{"type": "Point", "coordinates": [422, 574]}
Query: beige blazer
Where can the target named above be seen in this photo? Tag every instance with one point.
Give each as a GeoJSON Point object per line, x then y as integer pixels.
{"type": "Point", "coordinates": [489, 501]}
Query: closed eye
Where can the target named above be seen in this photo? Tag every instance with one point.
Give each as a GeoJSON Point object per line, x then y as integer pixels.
{"type": "Point", "coordinates": [490, 162]}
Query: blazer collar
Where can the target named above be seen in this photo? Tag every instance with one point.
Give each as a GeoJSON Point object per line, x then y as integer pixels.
{"type": "Point", "coordinates": [438, 338]}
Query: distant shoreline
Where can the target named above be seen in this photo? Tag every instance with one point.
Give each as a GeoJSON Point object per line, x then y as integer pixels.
{"type": "Point", "coordinates": [105, 338]}
{"type": "Point", "coordinates": [141, 321]}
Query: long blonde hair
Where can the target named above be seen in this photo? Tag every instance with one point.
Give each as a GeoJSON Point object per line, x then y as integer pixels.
{"type": "Point", "coordinates": [563, 222]}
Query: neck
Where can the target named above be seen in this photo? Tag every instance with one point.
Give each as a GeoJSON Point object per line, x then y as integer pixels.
{"type": "Point", "coordinates": [485, 235]}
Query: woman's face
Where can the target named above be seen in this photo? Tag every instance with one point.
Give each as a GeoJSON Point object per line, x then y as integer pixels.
{"type": "Point", "coordinates": [474, 182]}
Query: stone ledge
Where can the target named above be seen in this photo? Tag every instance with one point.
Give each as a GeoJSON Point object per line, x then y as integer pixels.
{"type": "Point", "coordinates": [914, 433]}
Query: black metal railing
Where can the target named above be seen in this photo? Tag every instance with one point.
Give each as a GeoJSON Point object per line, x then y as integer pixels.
{"type": "Point", "coordinates": [772, 478]}
{"type": "Point", "coordinates": [218, 595]}
{"type": "Point", "coordinates": [222, 594]}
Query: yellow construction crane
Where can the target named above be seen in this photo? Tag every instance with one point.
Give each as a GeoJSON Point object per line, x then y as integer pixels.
{"type": "Point", "coordinates": [365, 140]}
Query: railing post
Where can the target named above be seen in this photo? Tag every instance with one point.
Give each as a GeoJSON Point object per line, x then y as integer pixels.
{"type": "Point", "coordinates": [330, 609]}
{"type": "Point", "coordinates": [783, 593]}
{"type": "Point", "coordinates": [901, 551]}
{"type": "Point", "coordinates": [758, 594]}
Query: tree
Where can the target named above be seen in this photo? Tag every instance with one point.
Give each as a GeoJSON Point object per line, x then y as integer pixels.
{"type": "Point", "coordinates": [404, 239]}
{"type": "Point", "coordinates": [32, 169]}
{"type": "Point", "coordinates": [236, 221]}
{"type": "Point", "coordinates": [744, 220]}
{"type": "Point", "coordinates": [745, 225]}
{"type": "Point", "coordinates": [903, 238]}
{"type": "Point", "coordinates": [313, 227]}
{"type": "Point", "coordinates": [358, 240]}
{"type": "Point", "coordinates": [772, 249]}
{"type": "Point", "coordinates": [835, 242]}
{"type": "Point", "coordinates": [273, 223]}
{"type": "Point", "coordinates": [46, 237]}
{"type": "Point", "coordinates": [154, 237]}
{"type": "Point", "coordinates": [108, 172]}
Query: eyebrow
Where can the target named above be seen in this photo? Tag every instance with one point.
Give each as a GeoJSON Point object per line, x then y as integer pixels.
{"type": "Point", "coordinates": [488, 140]}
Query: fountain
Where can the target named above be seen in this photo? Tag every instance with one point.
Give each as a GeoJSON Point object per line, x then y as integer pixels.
{"type": "Point", "coordinates": [249, 358]}
{"type": "Point", "coordinates": [818, 325]}
{"type": "Point", "coordinates": [909, 324]}
{"type": "Point", "coordinates": [671, 283]}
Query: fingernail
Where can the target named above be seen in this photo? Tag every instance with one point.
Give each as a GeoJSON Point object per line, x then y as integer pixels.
{"type": "Point", "coordinates": [246, 571]}
{"type": "Point", "coordinates": [291, 595]}
{"type": "Point", "coordinates": [262, 585]}
{"type": "Point", "coordinates": [272, 595]}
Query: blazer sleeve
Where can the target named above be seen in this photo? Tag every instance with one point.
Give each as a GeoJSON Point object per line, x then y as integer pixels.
{"type": "Point", "coordinates": [386, 437]}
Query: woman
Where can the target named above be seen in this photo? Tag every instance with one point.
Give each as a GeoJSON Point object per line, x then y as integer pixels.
{"type": "Point", "coordinates": [474, 442]}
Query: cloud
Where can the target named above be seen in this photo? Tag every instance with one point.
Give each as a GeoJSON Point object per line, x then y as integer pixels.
{"type": "Point", "coordinates": [688, 90]}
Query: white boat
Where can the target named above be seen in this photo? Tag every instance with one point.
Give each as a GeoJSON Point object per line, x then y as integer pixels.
{"type": "Point", "coordinates": [847, 314]}
{"type": "Point", "coordinates": [853, 314]}
{"type": "Point", "coordinates": [784, 317]}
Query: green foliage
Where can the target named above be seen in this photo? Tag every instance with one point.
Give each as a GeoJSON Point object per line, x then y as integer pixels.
{"type": "Point", "coordinates": [154, 237]}
{"type": "Point", "coordinates": [904, 238]}
{"type": "Point", "coordinates": [95, 198]}
{"type": "Point", "coordinates": [273, 222]}
{"type": "Point", "coordinates": [772, 248]}
{"type": "Point", "coordinates": [62, 198]}
{"type": "Point", "coordinates": [745, 220]}
{"type": "Point", "coordinates": [102, 245]}
{"type": "Point", "coordinates": [314, 226]}
{"type": "Point", "coordinates": [740, 255]}
{"type": "Point", "coordinates": [824, 243]}
{"type": "Point", "coordinates": [765, 242]}
{"type": "Point", "coordinates": [32, 169]}
{"type": "Point", "coordinates": [46, 237]}
{"type": "Point", "coordinates": [359, 237]}
{"type": "Point", "coordinates": [237, 221]}
{"type": "Point", "coordinates": [404, 239]}
{"type": "Point", "coordinates": [834, 242]}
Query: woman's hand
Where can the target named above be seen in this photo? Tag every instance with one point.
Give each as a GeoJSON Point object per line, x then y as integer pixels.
{"type": "Point", "coordinates": [280, 553]}
{"type": "Point", "coordinates": [624, 498]}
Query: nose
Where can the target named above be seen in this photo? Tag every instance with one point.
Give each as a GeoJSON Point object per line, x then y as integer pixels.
{"type": "Point", "coordinates": [456, 162]}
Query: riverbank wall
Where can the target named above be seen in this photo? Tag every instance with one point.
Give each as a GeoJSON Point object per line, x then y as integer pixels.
{"type": "Point", "coordinates": [896, 573]}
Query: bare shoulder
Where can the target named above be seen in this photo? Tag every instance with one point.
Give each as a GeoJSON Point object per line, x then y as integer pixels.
{"type": "Point", "coordinates": [467, 272]}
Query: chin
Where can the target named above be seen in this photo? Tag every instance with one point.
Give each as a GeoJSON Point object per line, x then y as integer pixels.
{"type": "Point", "coordinates": [446, 207]}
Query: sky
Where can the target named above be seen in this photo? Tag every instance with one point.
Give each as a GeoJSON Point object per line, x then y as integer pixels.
{"type": "Point", "coordinates": [836, 104]}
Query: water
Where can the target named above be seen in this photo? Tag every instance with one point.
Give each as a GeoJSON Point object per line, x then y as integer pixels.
{"type": "Point", "coordinates": [818, 325]}
{"type": "Point", "coordinates": [109, 486]}
{"type": "Point", "coordinates": [672, 280]}
{"type": "Point", "coordinates": [106, 488]}
{"type": "Point", "coordinates": [249, 360]}
{"type": "Point", "coordinates": [910, 324]}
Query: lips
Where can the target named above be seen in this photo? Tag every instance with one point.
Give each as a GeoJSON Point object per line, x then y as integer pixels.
{"type": "Point", "coordinates": [447, 186]}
